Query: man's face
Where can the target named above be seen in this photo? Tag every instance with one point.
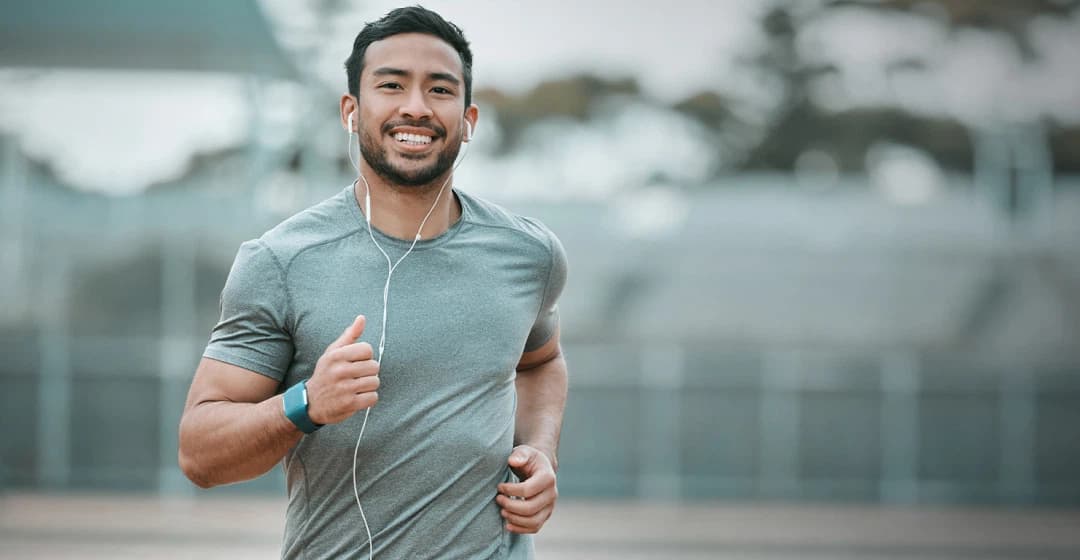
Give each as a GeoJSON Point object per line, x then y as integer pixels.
{"type": "Point", "coordinates": [411, 108]}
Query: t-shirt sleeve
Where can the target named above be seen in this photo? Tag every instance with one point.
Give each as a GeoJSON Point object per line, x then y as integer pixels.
{"type": "Point", "coordinates": [252, 331]}
{"type": "Point", "coordinates": [547, 320]}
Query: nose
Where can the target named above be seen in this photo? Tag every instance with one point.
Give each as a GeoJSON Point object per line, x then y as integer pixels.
{"type": "Point", "coordinates": [415, 106]}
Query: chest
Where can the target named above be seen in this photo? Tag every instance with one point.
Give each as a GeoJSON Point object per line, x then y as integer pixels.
{"type": "Point", "coordinates": [450, 314]}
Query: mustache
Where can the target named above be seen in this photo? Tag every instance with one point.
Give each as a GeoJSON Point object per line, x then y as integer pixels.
{"type": "Point", "coordinates": [437, 130]}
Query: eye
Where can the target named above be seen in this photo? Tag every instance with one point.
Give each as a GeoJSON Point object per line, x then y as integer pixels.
{"type": "Point", "coordinates": [390, 85]}
{"type": "Point", "coordinates": [442, 91]}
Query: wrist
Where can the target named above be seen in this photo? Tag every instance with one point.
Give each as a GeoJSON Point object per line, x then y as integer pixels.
{"type": "Point", "coordinates": [295, 406]}
{"type": "Point", "coordinates": [553, 459]}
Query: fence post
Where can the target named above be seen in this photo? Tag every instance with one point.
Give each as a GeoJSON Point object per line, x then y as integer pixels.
{"type": "Point", "coordinates": [779, 417]}
{"type": "Point", "coordinates": [899, 427]}
{"type": "Point", "coordinates": [1017, 414]}
{"type": "Point", "coordinates": [176, 355]}
{"type": "Point", "coordinates": [54, 389]}
{"type": "Point", "coordinates": [659, 452]}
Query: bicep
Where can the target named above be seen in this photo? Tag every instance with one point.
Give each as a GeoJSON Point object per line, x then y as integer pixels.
{"type": "Point", "coordinates": [542, 355]}
{"type": "Point", "coordinates": [218, 381]}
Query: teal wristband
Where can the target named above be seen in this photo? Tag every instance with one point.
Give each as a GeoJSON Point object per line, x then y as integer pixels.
{"type": "Point", "coordinates": [296, 408]}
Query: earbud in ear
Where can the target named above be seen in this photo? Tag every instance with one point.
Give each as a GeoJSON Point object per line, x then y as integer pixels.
{"type": "Point", "coordinates": [468, 131]}
{"type": "Point", "coordinates": [351, 128]}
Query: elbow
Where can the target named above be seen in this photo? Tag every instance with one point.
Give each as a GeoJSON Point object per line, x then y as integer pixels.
{"type": "Point", "coordinates": [190, 467]}
{"type": "Point", "coordinates": [186, 457]}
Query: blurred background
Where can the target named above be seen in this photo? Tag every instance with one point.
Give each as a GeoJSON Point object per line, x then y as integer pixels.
{"type": "Point", "coordinates": [824, 294]}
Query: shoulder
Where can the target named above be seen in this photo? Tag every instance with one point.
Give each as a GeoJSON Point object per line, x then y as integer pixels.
{"type": "Point", "coordinates": [330, 220]}
{"type": "Point", "coordinates": [487, 214]}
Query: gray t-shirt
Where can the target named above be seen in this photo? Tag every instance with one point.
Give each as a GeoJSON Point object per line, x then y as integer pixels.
{"type": "Point", "coordinates": [462, 308]}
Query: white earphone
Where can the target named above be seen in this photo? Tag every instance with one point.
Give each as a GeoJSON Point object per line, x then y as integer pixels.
{"type": "Point", "coordinates": [391, 266]}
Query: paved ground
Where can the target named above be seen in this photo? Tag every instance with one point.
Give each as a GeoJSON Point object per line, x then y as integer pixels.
{"type": "Point", "coordinates": [125, 526]}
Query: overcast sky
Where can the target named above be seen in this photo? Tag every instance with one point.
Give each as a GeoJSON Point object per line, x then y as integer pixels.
{"type": "Point", "coordinates": [676, 48]}
{"type": "Point", "coordinates": [120, 143]}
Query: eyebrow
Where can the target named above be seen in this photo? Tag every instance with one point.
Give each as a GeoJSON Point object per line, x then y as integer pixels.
{"type": "Point", "coordinates": [436, 76]}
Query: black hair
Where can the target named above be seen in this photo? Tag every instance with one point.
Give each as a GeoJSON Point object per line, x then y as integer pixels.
{"type": "Point", "coordinates": [412, 19]}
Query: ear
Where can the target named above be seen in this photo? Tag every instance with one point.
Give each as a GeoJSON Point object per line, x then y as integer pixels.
{"type": "Point", "coordinates": [350, 107]}
{"type": "Point", "coordinates": [472, 114]}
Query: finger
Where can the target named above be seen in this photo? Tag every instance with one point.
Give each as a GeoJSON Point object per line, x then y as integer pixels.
{"type": "Point", "coordinates": [529, 487]}
{"type": "Point", "coordinates": [525, 524]}
{"type": "Point", "coordinates": [533, 522]}
{"type": "Point", "coordinates": [339, 371]}
{"type": "Point", "coordinates": [520, 530]}
{"type": "Point", "coordinates": [526, 461]}
{"type": "Point", "coordinates": [522, 457]}
{"type": "Point", "coordinates": [356, 370]}
{"type": "Point", "coordinates": [523, 507]}
{"type": "Point", "coordinates": [352, 332]}
{"type": "Point", "coordinates": [515, 489]}
{"type": "Point", "coordinates": [529, 506]}
{"type": "Point", "coordinates": [365, 384]}
{"type": "Point", "coordinates": [356, 352]}
{"type": "Point", "coordinates": [365, 400]}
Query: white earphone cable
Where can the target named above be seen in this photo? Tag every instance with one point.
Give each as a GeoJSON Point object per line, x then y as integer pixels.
{"type": "Point", "coordinates": [391, 267]}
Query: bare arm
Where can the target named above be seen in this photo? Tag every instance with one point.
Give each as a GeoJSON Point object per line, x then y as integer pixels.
{"type": "Point", "coordinates": [541, 388]}
{"type": "Point", "coordinates": [233, 427]}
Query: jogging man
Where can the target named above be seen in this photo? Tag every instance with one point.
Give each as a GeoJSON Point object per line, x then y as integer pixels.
{"type": "Point", "coordinates": [396, 346]}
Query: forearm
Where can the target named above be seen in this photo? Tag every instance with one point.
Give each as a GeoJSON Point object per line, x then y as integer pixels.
{"type": "Point", "coordinates": [541, 394]}
{"type": "Point", "coordinates": [222, 442]}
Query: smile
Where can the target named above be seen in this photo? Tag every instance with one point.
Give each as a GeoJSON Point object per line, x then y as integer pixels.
{"type": "Point", "coordinates": [412, 139]}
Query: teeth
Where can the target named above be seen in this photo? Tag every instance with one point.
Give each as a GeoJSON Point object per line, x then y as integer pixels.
{"type": "Point", "coordinates": [412, 138]}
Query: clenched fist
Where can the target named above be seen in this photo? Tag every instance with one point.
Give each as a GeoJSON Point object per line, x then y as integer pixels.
{"type": "Point", "coordinates": [528, 504]}
{"type": "Point", "coordinates": [345, 379]}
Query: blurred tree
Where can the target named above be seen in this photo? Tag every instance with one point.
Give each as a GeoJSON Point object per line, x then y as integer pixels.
{"type": "Point", "coordinates": [709, 107]}
{"type": "Point", "coordinates": [797, 124]}
{"type": "Point", "coordinates": [772, 135]}
{"type": "Point", "coordinates": [847, 135]}
{"type": "Point", "coordinates": [1011, 16]}
{"type": "Point", "coordinates": [571, 97]}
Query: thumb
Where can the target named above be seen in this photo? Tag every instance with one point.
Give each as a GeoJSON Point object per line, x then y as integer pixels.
{"type": "Point", "coordinates": [352, 332]}
{"type": "Point", "coordinates": [519, 457]}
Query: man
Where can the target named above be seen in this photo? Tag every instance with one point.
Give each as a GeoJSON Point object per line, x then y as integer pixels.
{"type": "Point", "coordinates": [458, 456]}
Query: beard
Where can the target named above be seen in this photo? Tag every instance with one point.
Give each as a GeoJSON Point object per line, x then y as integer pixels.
{"type": "Point", "coordinates": [376, 156]}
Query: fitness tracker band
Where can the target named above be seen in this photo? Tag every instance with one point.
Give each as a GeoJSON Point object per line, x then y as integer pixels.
{"type": "Point", "coordinates": [296, 408]}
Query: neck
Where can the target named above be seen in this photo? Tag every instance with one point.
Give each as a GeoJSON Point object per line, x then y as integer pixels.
{"type": "Point", "coordinates": [398, 211]}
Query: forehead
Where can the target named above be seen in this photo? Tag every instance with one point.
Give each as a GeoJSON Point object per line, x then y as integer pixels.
{"type": "Point", "coordinates": [418, 53]}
